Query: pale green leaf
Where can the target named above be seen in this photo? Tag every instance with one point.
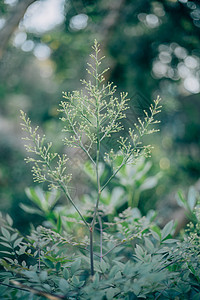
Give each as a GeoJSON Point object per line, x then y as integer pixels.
{"type": "Point", "coordinates": [14, 236]}
{"type": "Point", "coordinates": [17, 242]}
{"type": "Point", "coordinates": [63, 285]}
{"type": "Point", "coordinates": [110, 293]}
{"type": "Point", "coordinates": [5, 233]}
{"type": "Point", "coordinates": [167, 229]}
{"type": "Point", "coordinates": [66, 273]}
{"type": "Point", "coordinates": [6, 245]}
{"type": "Point", "coordinates": [9, 220]}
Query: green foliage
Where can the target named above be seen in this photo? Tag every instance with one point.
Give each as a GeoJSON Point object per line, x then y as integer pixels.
{"type": "Point", "coordinates": [189, 203]}
{"type": "Point", "coordinates": [144, 265]}
{"type": "Point", "coordinates": [134, 257]}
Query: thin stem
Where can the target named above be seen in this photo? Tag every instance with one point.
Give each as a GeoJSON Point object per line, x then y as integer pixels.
{"type": "Point", "coordinates": [88, 154]}
{"type": "Point", "coordinates": [17, 285]}
{"type": "Point", "coordinates": [97, 172]}
{"type": "Point", "coordinates": [39, 260]}
{"type": "Point", "coordinates": [123, 242]}
{"type": "Point", "coordinates": [101, 237]}
{"type": "Point", "coordinates": [72, 202]}
{"type": "Point", "coordinates": [122, 164]}
{"type": "Point", "coordinates": [91, 252]}
{"type": "Point", "coordinates": [112, 176]}
{"type": "Point", "coordinates": [120, 243]}
{"type": "Point", "coordinates": [160, 294]}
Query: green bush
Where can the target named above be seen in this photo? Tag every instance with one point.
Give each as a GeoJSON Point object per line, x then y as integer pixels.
{"type": "Point", "coordinates": [92, 252]}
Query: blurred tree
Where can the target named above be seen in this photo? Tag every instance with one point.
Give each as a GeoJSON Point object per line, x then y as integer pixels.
{"type": "Point", "coordinates": [12, 22]}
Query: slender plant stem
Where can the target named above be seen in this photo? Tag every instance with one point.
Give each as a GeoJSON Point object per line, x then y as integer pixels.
{"type": "Point", "coordinates": [97, 174]}
{"type": "Point", "coordinates": [112, 176]}
{"type": "Point", "coordinates": [122, 242]}
{"type": "Point", "coordinates": [17, 285]}
{"type": "Point", "coordinates": [119, 168]}
{"type": "Point", "coordinates": [101, 237]}
{"type": "Point", "coordinates": [74, 205]}
{"type": "Point", "coordinates": [91, 252]}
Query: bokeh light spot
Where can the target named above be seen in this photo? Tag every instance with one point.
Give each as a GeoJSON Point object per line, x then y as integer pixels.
{"type": "Point", "coordinates": [44, 15]}
{"type": "Point", "coordinates": [152, 20]}
{"type": "Point", "coordinates": [164, 163]}
{"type": "Point", "coordinates": [19, 39]}
{"type": "Point", "coordinates": [42, 51]}
{"type": "Point", "coordinates": [28, 46]}
{"type": "Point", "coordinates": [192, 85]}
{"type": "Point", "coordinates": [78, 22]}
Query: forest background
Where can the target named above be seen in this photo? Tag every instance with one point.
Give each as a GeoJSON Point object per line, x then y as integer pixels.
{"type": "Point", "coordinates": [152, 48]}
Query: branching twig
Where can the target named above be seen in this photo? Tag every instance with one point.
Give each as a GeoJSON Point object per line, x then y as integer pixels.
{"type": "Point", "coordinates": [22, 287]}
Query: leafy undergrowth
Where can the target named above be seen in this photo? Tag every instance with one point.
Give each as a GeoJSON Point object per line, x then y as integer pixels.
{"type": "Point", "coordinates": [95, 249]}
{"type": "Point", "coordinates": [139, 260]}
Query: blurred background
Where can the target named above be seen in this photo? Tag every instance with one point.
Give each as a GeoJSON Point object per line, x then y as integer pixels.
{"type": "Point", "coordinates": [151, 47]}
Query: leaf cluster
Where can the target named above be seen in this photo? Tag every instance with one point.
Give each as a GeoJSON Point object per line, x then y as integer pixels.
{"type": "Point", "coordinates": [153, 265]}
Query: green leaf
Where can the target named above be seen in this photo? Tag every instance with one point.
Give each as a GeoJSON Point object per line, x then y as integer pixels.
{"type": "Point", "coordinates": [181, 200]}
{"type": "Point", "coordinates": [52, 197]}
{"type": "Point", "coordinates": [6, 252]}
{"type": "Point", "coordinates": [48, 263]}
{"type": "Point", "coordinates": [47, 287]}
{"type": "Point", "coordinates": [6, 245]}
{"type": "Point", "coordinates": [196, 296]}
{"type": "Point", "coordinates": [63, 285]}
{"type": "Point", "coordinates": [5, 233]}
{"type": "Point", "coordinates": [32, 275]}
{"type": "Point", "coordinates": [59, 224]}
{"type": "Point", "coordinates": [75, 265]}
{"type": "Point", "coordinates": [43, 275]}
{"type": "Point", "coordinates": [113, 271]}
{"type": "Point", "coordinates": [149, 183]}
{"type": "Point", "coordinates": [192, 197]}
{"type": "Point", "coordinates": [30, 210]}
{"type": "Point", "coordinates": [58, 266]}
{"type": "Point", "coordinates": [167, 229]}
{"type": "Point", "coordinates": [118, 275]}
{"type": "Point", "coordinates": [38, 197]}
{"type": "Point", "coordinates": [120, 266]}
{"type": "Point", "coordinates": [96, 280]}
{"type": "Point", "coordinates": [9, 220]}
{"type": "Point", "coordinates": [169, 241]}
{"type": "Point", "coordinates": [66, 273]}
{"type": "Point", "coordinates": [104, 266]}
{"type": "Point", "coordinates": [127, 269]}
{"type": "Point", "coordinates": [110, 293]}
{"type": "Point", "coordinates": [136, 288]}
{"type": "Point", "coordinates": [155, 231]}
{"type": "Point", "coordinates": [4, 288]}
{"type": "Point", "coordinates": [14, 236]}
{"type": "Point", "coordinates": [139, 252]}
{"type": "Point", "coordinates": [11, 261]}
{"type": "Point", "coordinates": [22, 250]}
{"type": "Point", "coordinates": [17, 242]}
{"type": "Point", "coordinates": [149, 245]}
{"type": "Point", "coordinates": [75, 281]}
